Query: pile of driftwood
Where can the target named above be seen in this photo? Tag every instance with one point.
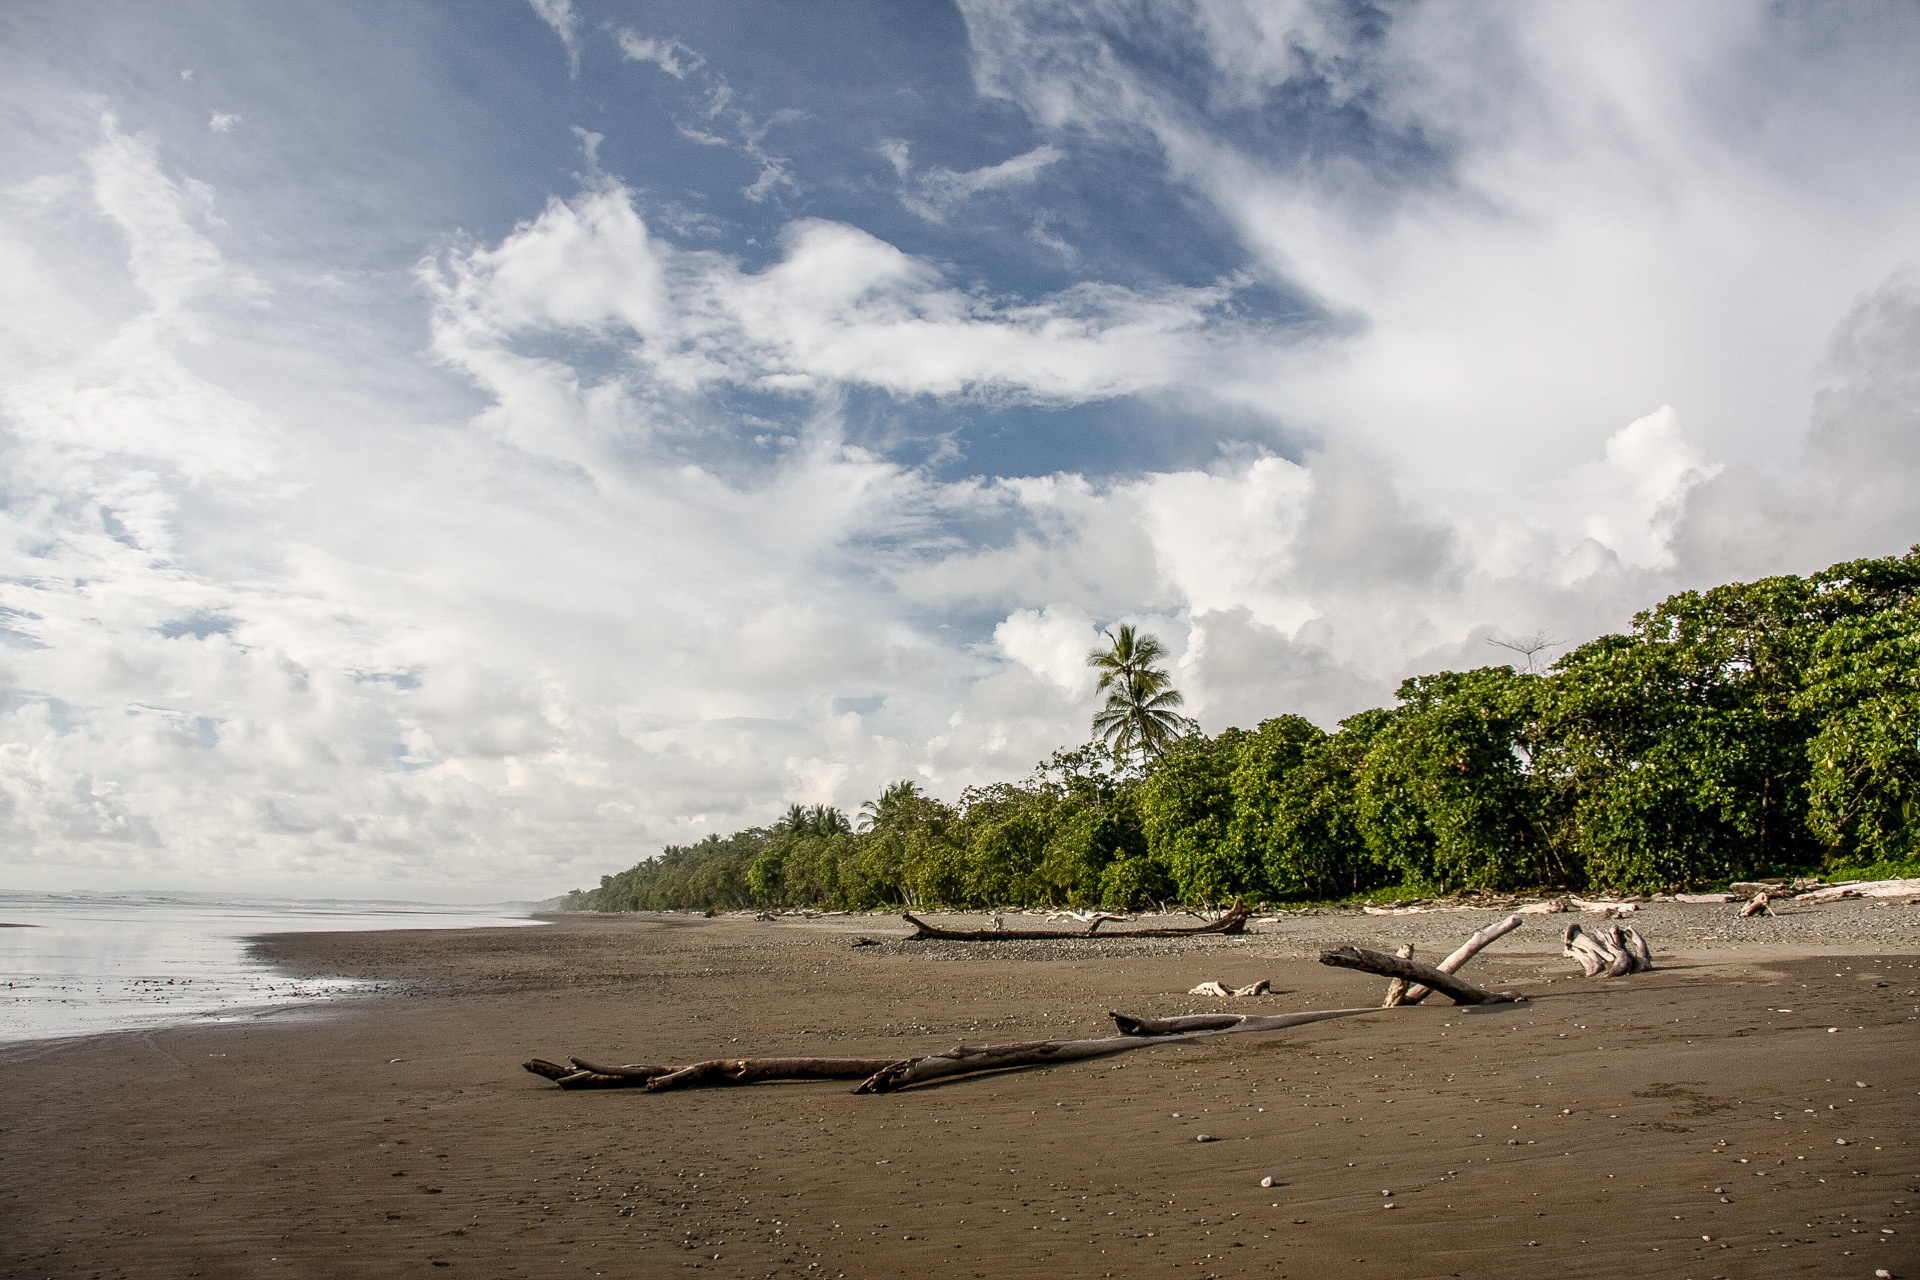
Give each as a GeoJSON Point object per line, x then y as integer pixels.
{"type": "Point", "coordinates": [1617, 951]}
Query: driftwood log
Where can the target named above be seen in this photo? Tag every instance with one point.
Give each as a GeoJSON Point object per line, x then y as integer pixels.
{"type": "Point", "coordinates": [883, 1075]}
{"type": "Point", "coordinates": [1412, 981]}
{"type": "Point", "coordinates": [1234, 922]}
{"type": "Point", "coordinates": [1459, 990]}
{"type": "Point", "coordinates": [971, 1059]}
{"type": "Point", "coordinates": [1466, 951]}
{"type": "Point", "coordinates": [1615, 952]}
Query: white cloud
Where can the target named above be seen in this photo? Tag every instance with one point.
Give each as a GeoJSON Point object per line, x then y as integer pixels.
{"type": "Point", "coordinates": [840, 306]}
{"type": "Point", "coordinates": [224, 122]}
{"type": "Point", "coordinates": [671, 56]}
{"type": "Point", "coordinates": [513, 633]}
{"type": "Point", "coordinates": [1053, 643]}
{"type": "Point", "coordinates": [938, 189]}
{"type": "Point", "coordinates": [1625, 206]}
{"type": "Point", "coordinates": [721, 120]}
{"type": "Point", "coordinates": [565, 21]}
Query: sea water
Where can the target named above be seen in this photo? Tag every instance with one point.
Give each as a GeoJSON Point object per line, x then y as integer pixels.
{"type": "Point", "coordinates": [78, 964]}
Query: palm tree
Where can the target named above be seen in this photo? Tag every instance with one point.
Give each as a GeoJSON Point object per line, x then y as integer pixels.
{"type": "Point", "coordinates": [1139, 713]}
{"type": "Point", "coordinates": [896, 797]}
{"type": "Point", "coordinates": [815, 820]}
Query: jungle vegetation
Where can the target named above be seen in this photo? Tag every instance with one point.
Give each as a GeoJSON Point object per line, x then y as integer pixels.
{"type": "Point", "coordinates": [1768, 727]}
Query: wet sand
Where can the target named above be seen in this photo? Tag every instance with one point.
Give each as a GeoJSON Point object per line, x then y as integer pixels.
{"type": "Point", "coordinates": [1683, 1123]}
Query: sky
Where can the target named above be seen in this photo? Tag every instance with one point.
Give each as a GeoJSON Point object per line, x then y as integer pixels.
{"type": "Point", "coordinates": [452, 451]}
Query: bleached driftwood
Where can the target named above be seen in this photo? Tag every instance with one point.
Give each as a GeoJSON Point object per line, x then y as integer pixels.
{"type": "Point", "coordinates": [1465, 952]}
{"type": "Point", "coordinates": [1458, 990]}
{"type": "Point", "coordinates": [1235, 921]}
{"type": "Point", "coordinates": [1085, 917]}
{"type": "Point", "coordinates": [1628, 938]}
{"type": "Point", "coordinates": [1259, 988]}
{"type": "Point", "coordinates": [1397, 989]}
{"type": "Point", "coordinates": [1617, 952]}
{"type": "Point", "coordinates": [965, 1059]}
{"type": "Point", "coordinates": [1758, 907]}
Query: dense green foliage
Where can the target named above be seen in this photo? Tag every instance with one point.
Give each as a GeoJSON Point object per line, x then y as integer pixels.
{"type": "Point", "coordinates": [1756, 728]}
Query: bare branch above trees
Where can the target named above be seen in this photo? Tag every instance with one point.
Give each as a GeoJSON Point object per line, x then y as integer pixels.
{"type": "Point", "coordinates": [1528, 646]}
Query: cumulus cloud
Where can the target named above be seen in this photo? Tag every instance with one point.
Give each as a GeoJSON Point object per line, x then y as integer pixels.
{"type": "Point", "coordinates": [1541, 220]}
{"type": "Point", "coordinates": [840, 306]}
{"type": "Point", "coordinates": [1053, 643]}
{"type": "Point", "coordinates": [224, 122]}
{"type": "Point", "coordinates": [612, 573]}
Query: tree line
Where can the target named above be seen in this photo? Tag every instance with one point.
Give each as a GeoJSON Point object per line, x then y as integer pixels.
{"type": "Point", "coordinates": [1769, 727]}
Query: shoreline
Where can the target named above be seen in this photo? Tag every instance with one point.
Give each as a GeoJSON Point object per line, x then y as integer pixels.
{"type": "Point", "coordinates": [399, 1131]}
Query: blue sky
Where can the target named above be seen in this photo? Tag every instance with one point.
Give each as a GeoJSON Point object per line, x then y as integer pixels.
{"type": "Point", "coordinates": [456, 449]}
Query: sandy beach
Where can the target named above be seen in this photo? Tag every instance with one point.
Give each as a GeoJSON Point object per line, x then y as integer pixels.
{"type": "Point", "coordinates": [1747, 1109]}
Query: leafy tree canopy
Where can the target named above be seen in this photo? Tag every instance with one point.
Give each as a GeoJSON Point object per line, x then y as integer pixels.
{"type": "Point", "coordinates": [1753, 728]}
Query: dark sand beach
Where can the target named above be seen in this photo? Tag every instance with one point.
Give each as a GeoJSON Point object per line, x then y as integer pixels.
{"type": "Point", "coordinates": [1748, 1109]}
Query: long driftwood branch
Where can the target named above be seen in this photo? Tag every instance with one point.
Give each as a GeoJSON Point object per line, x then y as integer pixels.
{"type": "Point", "coordinates": [722, 1071]}
{"type": "Point", "coordinates": [883, 1075]}
{"type": "Point", "coordinates": [1458, 990]}
{"type": "Point", "coordinates": [970, 1059]}
{"type": "Point", "coordinates": [1190, 1023]}
{"type": "Point", "coordinates": [1467, 951]}
{"type": "Point", "coordinates": [719, 1071]}
{"type": "Point", "coordinates": [1235, 921]}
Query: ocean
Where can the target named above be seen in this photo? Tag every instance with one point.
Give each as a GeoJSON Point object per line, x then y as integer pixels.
{"type": "Point", "coordinates": [82, 963]}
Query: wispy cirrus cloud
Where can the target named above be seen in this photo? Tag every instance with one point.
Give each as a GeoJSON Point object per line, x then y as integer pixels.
{"type": "Point", "coordinates": [936, 190]}
{"type": "Point", "coordinates": [720, 120]}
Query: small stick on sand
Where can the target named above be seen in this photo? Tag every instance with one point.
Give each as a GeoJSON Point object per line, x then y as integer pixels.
{"type": "Point", "coordinates": [720, 1071]}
